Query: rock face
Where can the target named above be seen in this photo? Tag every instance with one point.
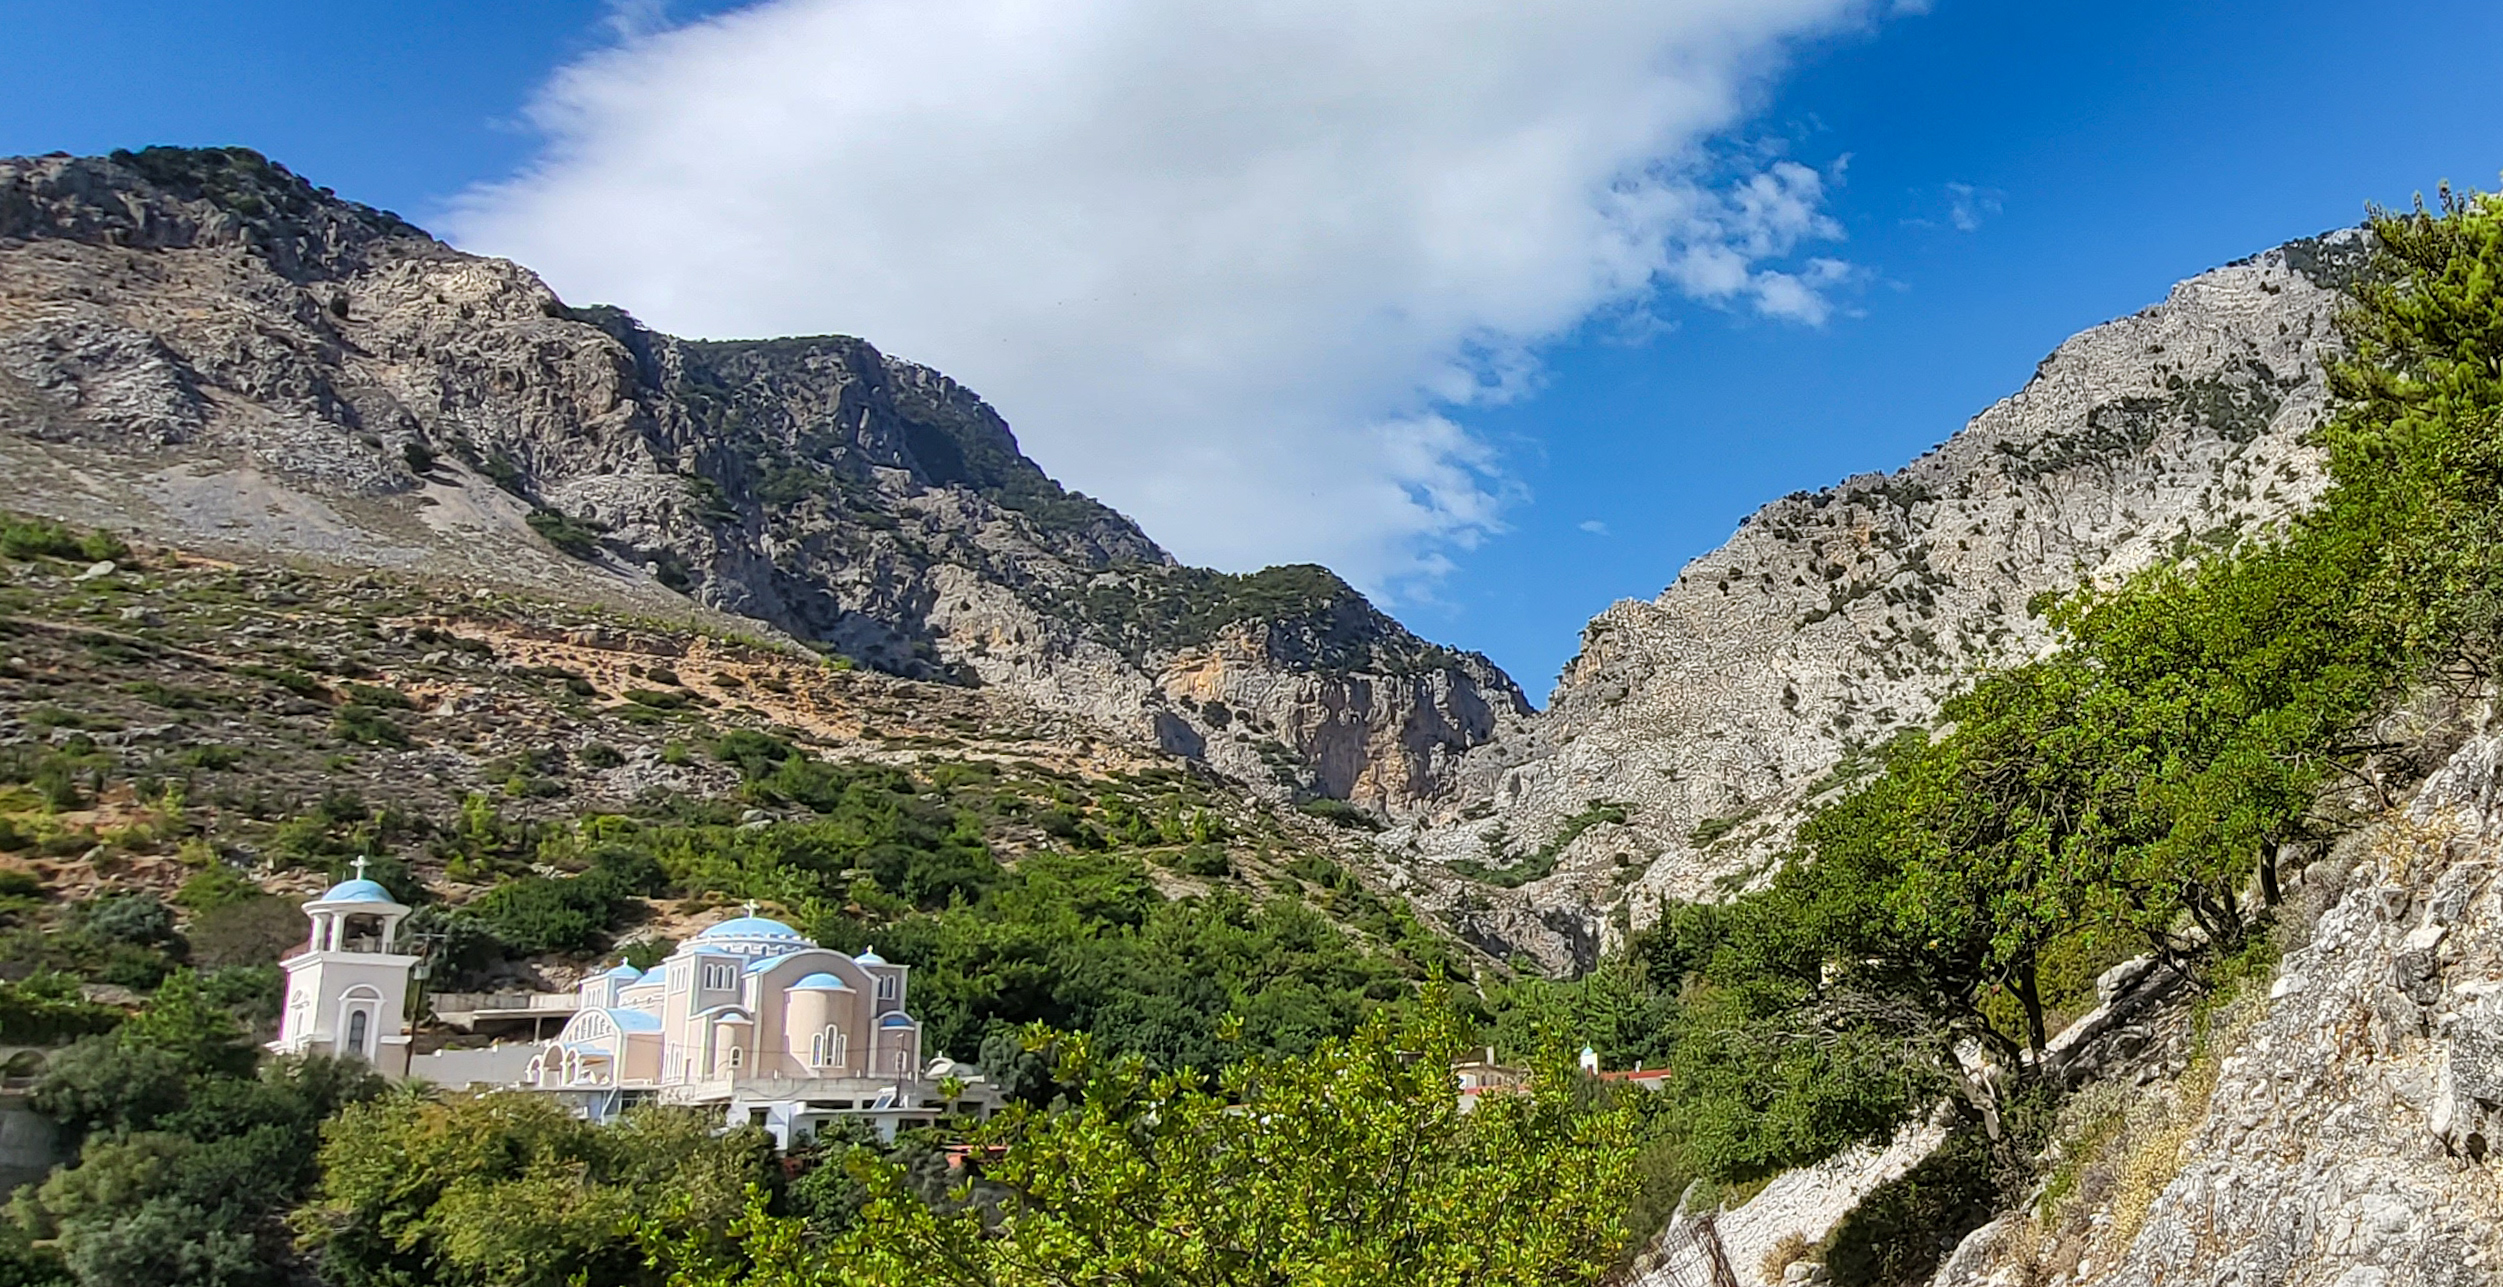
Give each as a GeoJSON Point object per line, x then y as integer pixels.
{"type": "Point", "coordinates": [200, 345]}
{"type": "Point", "coordinates": [2350, 1138]}
{"type": "Point", "coordinates": [2351, 1131]}
{"type": "Point", "coordinates": [1831, 620]}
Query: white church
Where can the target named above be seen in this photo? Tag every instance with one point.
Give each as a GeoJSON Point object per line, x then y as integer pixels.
{"type": "Point", "coordinates": [747, 1017]}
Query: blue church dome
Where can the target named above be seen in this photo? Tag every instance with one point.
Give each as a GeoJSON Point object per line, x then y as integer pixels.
{"type": "Point", "coordinates": [755, 937]}
{"type": "Point", "coordinates": [751, 927]}
{"type": "Point", "coordinates": [358, 890]}
{"type": "Point", "coordinates": [819, 983]}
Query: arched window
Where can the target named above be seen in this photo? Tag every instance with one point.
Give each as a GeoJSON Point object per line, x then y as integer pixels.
{"type": "Point", "coordinates": [356, 1030]}
{"type": "Point", "coordinates": [734, 1058]}
{"type": "Point", "coordinates": [886, 987]}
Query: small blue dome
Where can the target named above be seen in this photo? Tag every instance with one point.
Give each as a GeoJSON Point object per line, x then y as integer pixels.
{"type": "Point", "coordinates": [625, 972]}
{"type": "Point", "coordinates": [358, 890]}
{"type": "Point", "coordinates": [870, 957]}
{"type": "Point", "coordinates": [750, 927]}
{"type": "Point", "coordinates": [895, 1021]}
{"type": "Point", "coordinates": [819, 983]}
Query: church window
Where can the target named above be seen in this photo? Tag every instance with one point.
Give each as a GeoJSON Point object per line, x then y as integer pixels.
{"type": "Point", "coordinates": [356, 1030]}
{"type": "Point", "coordinates": [734, 1058]}
{"type": "Point", "coordinates": [886, 987]}
{"type": "Point", "coordinates": [826, 1050]}
{"type": "Point", "coordinates": [718, 975]}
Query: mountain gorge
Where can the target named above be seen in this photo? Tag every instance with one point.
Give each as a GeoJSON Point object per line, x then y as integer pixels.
{"type": "Point", "coordinates": [1684, 741]}
{"type": "Point", "coordinates": [203, 347]}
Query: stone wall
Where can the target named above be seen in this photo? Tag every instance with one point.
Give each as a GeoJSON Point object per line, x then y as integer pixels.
{"type": "Point", "coordinates": [29, 1144]}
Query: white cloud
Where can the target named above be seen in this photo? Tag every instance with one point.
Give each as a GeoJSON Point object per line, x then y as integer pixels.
{"type": "Point", "coordinates": [1593, 526]}
{"type": "Point", "coordinates": [635, 19]}
{"type": "Point", "coordinates": [1224, 266]}
{"type": "Point", "coordinates": [1967, 206]}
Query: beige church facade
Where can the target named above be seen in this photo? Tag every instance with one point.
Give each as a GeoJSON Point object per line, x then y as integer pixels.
{"type": "Point", "coordinates": [752, 1017]}
{"type": "Point", "coordinates": [747, 1017]}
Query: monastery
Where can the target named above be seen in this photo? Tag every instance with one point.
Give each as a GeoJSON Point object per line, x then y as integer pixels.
{"type": "Point", "coordinates": [747, 1017]}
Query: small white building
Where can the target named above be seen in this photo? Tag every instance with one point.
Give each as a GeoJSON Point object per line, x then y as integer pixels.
{"type": "Point", "coordinates": [347, 991]}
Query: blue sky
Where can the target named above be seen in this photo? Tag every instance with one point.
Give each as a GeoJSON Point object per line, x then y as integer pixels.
{"type": "Point", "coordinates": [2096, 153]}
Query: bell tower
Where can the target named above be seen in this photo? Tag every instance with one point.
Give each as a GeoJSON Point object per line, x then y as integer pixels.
{"type": "Point", "coordinates": [347, 990]}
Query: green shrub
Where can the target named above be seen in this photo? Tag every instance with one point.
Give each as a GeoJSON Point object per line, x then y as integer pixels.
{"type": "Point", "coordinates": [252, 931]}
{"type": "Point", "coordinates": [1202, 860]}
{"type": "Point", "coordinates": [215, 886]}
{"type": "Point", "coordinates": [1511, 871]}
{"type": "Point", "coordinates": [139, 919]}
{"type": "Point", "coordinates": [538, 914]}
{"type": "Point", "coordinates": [571, 915]}
{"type": "Point", "coordinates": [44, 1008]}
{"type": "Point", "coordinates": [1904, 1227]}
{"type": "Point", "coordinates": [567, 533]}
{"type": "Point", "coordinates": [62, 779]}
{"type": "Point", "coordinates": [1339, 813]}
{"type": "Point", "coordinates": [294, 681]}
{"type": "Point", "coordinates": [357, 722]}
{"type": "Point", "coordinates": [377, 696]}
{"type": "Point", "coordinates": [644, 953]}
{"type": "Point", "coordinates": [500, 470]}
{"type": "Point", "coordinates": [43, 538]}
{"type": "Point", "coordinates": [211, 757]}
{"type": "Point", "coordinates": [756, 754]}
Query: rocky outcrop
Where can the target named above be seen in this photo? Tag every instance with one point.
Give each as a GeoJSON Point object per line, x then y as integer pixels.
{"type": "Point", "coordinates": [1709, 716]}
{"type": "Point", "coordinates": [200, 345]}
{"type": "Point", "coordinates": [1794, 1210]}
{"type": "Point", "coordinates": [2349, 1133]}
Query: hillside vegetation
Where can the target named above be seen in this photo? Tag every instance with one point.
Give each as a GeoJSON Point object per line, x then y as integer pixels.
{"type": "Point", "coordinates": [193, 746]}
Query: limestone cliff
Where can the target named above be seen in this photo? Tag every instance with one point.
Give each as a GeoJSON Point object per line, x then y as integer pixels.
{"type": "Point", "coordinates": [2342, 1127]}
{"type": "Point", "coordinates": [200, 345]}
{"type": "Point", "coordinates": [1685, 737]}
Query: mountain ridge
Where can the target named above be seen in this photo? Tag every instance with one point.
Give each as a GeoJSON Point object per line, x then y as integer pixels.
{"type": "Point", "coordinates": [200, 342]}
{"type": "Point", "coordinates": [203, 343]}
{"type": "Point", "coordinates": [1692, 730]}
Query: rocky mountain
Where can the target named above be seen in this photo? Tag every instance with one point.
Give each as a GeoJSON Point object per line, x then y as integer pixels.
{"type": "Point", "coordinates": [1684, 739]}
{"type": "Point", "coordinates": [203, 347]}
{"type": "Point", "coordinates": [200, 346]}
{"type": "Point", "coordinates": [2323, 1121]}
